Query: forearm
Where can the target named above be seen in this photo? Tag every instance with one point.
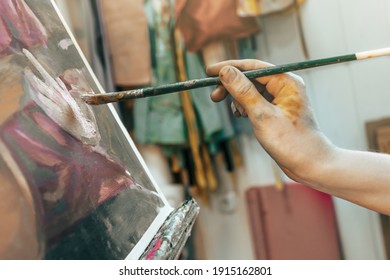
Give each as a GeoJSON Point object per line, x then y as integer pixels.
{"type": "Point", "coordinates": [360, 177]}
{"type": "Point", "coordinates": [287, 130]}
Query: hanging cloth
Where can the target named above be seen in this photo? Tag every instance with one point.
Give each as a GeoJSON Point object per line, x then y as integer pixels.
{"type": "Point", "coordinates": [195, 17]}
{"type": "Point", "coordinates": [127, 32]}
{"type": "Point", "coordinates": [188, 125]}
{"type": "Point", "coordinates": [247, 8]}
{"type": "Point", "coordinates": [160, 120]}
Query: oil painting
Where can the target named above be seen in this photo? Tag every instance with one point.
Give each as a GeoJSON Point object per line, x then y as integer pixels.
{"type": "Point", "coordinates": [73, 185]}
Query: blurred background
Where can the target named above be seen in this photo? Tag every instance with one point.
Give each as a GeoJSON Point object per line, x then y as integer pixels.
{"type": "Point", "coordinates": [249, 208]}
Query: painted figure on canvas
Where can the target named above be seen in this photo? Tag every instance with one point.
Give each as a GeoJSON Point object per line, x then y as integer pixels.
{"type": "Point", "coordinates": [65, 167]}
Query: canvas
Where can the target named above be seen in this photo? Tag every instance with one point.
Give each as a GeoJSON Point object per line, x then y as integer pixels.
{"type": "Point", "coordinates": [73, 185]}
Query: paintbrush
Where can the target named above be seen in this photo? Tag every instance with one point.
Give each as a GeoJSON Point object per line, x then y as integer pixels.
{"type": "Point", "coordinates": [102, 98]}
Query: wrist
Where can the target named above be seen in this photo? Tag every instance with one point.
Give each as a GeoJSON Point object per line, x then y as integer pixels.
{"type": "Point", "coordinates": [316, 165]}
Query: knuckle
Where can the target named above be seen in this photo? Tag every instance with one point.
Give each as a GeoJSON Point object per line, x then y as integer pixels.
{"type": "Point", "coordinates": [245, 88]}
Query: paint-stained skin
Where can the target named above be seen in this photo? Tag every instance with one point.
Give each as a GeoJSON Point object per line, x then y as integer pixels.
{"type": "Point", "coordinates": [290, 101]}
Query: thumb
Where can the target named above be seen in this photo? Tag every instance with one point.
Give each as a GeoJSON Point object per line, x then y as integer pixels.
{"type": "Point", "coordinates": [240, 87]}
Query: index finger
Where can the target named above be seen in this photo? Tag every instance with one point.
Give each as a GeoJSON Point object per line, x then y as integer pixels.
{"type": "Point", "coordinates": [243, 65]}
{"type": "Point", "coordinates": [273, 83]}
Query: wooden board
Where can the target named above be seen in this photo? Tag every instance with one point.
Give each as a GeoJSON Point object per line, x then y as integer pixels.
{"type": "Point", "coordinates": [297, 223]}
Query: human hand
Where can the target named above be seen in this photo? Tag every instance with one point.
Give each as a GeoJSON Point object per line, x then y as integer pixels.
{"type": "Point", "coordinates": [284, 124]}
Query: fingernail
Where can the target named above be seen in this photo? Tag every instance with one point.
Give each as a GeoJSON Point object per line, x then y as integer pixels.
{"type": "Point", "coordinates": [228, 74]}
{"type": "Point", "coordinates": [235, 111]}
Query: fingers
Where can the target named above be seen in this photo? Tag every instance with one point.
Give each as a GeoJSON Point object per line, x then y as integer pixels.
{"type": "Point", "coordinates": [285, 91]}
{"type": "Point", "coordinates": [219, 94]}
{"type": "Point", "coordinates": [243, 65]}
{"type": "Point", "coordinates": [240, 87]}
{"type": "Point", "coordinates": [273, 83]}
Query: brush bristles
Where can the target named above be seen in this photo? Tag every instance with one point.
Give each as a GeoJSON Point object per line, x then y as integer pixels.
{"type": "Point", "coordinates": [91, 99]}
{"type": "Point", "coordinates": [104, 98]}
